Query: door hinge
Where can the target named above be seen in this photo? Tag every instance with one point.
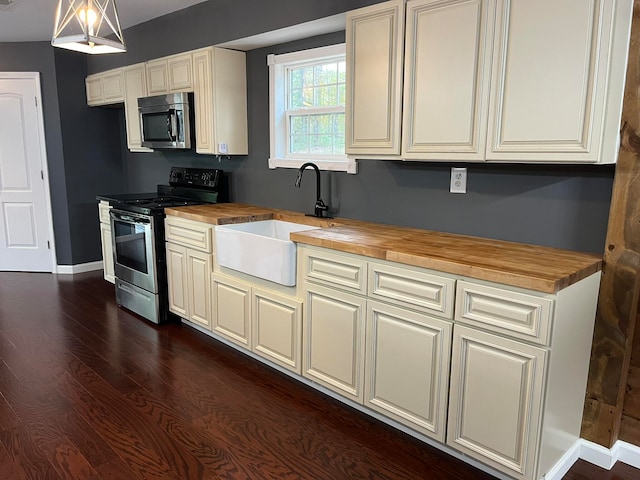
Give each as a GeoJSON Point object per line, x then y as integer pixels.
{"type": "Point", "coordinates": [36, 99]}
{"type": "Point", "coordinates": [42, 174]}
{"type": "Point", "coordinates": [48, 245]}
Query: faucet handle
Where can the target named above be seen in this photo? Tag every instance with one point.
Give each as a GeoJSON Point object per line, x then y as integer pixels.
{"type": "Point", "coordinates": [320, 208]}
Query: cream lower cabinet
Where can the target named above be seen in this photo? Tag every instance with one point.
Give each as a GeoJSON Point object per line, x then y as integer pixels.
{"type": "Point", "coordinates": [277, 328]}
{"type": "Point", "coordinates": [392, 358]}
{"type": "Point", "coordinates": [232, 309]}
{"type": "Point", "coordinates": [407, 367]}
{"type": "Point", "coordinates": [189, 256]}
{"type": "Point", "coordinates": [189, 278]}
{"type": "Point", "coordinates": [497, 387]}
{"type": "Point", "coordinates": [177, 279]}
{"type": "Point", "coordinates": [106, 242]}
{"type": "Point", "coordinates": [334, 340]}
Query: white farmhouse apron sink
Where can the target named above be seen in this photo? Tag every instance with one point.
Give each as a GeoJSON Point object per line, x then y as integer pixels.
{"type": "Point", "coordinates": [261, 249]}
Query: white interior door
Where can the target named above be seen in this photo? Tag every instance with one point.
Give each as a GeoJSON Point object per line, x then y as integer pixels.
{"type": "Point", "coordinates": [26, 240]}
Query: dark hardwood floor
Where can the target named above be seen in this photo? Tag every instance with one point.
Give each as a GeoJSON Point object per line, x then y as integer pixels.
{"type": "Point", "coordinates": [90, 391]}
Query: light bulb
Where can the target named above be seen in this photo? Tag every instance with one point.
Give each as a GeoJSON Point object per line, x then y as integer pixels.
{"type": "Point", "coordinates": [88, 16]}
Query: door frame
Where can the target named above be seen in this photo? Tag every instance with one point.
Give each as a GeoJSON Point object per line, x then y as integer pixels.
{"type": "Point", "coordinates": [35, 76]}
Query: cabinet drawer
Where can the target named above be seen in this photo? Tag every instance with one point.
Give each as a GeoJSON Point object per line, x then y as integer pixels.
{"type": "Point", "coordinates": [190, 234]}
{"type": "Point", "coordinates": [103, 212]}
{"type": "Point", "coordinates": [412, 288]}
{"type": "Point", "coordinates": [516, 314]}
{"type": "Point", "coordinates": [335, 270]}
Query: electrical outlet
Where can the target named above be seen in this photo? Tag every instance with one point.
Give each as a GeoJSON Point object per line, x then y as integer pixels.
{"type": "Point", "coordinates": [222, 147]}
{"type": "Point", "coordinates": [458, 180]}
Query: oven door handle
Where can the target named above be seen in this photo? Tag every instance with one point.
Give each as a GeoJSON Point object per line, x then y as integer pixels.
{"type": "Point", "coordinates": [123, 217]}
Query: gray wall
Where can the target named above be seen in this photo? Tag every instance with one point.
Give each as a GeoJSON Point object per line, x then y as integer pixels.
{"type": "Point", "coordinates": [91, 140]}
{"type": "Point", "coordinates": [558, 206]}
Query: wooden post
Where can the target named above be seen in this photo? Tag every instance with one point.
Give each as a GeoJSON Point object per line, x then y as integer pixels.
{"type": "Point", "coordinates": [620, 285]}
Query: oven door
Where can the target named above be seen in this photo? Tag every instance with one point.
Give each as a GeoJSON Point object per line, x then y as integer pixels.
{"type": "Point", "coordinates": [134, 249]}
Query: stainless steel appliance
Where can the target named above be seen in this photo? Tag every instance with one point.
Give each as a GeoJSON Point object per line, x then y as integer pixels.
{"type": "Point", "coordinates": [137, 229]}
{"type": "Point", "coordinates": [166, 121]}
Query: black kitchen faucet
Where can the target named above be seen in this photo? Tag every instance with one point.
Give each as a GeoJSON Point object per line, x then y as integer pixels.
{"type": "Point", "coordinates": [320, 206]}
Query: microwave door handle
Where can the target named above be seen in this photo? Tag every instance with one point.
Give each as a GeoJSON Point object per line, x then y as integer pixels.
{"type": "Point", "coordinates": [172, 126]}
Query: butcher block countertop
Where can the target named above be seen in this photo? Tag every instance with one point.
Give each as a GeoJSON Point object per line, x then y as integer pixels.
{"type": "Point", "coordinates": [533, 267]}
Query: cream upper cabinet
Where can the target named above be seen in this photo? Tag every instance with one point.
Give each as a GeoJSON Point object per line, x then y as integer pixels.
{"type": "Point", "coordinates": [497, 387]}
{"type": "Point", "coordinates": [170, 74]}
{"type": "Point", "coordinates": [105, 88]}
{"type": "Point", "coordinates": [446, 80]}
{"type": "Point", "coordinates": [496, 80]}
{"type": "Point", "coordinates": [554, 68]}
{"type": "Point", "coordinates": [180, 73]}
{"type": "Point", "coordinates": [375, 39]}
{"type": "Point", "coordinates": [135, 87]}
{"type": "Point", "coordinates": [157, 77]}
{"type": "Point", "coordinates": [95, 94]}
{"type": "Point", "coordinates": [113, 85]}
{"type": "Point", "coordinates": [220, 96]}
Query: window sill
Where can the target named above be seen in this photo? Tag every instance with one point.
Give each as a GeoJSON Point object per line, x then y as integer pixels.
{"type": "Point", "coordinates": [348, 165]}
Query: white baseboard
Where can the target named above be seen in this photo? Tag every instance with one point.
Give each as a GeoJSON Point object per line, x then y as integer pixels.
{"type": "Point", "coordinates": [80, 268]}
{"type": "Point", "coordinates": [607, 457]}
{"type": "Point", "coordinates": [560, 469]}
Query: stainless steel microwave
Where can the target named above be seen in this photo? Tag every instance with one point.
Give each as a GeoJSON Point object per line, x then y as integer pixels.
{"type": "Point", "coordinates": [166, 121]}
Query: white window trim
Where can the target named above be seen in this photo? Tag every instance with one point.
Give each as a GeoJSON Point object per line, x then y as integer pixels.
{"type": "Point", "coordinates": [277, 115]}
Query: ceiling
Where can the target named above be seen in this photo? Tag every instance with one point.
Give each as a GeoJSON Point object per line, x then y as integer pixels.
{"type": "Point", "coordinates": [32, 20]}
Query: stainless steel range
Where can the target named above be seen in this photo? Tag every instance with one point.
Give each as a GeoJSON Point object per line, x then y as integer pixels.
{"type": "Point", "coordinates": [137, 229]}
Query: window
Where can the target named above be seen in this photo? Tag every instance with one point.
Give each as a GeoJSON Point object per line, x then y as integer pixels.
{"type": "Point", "coordinates": [306, 108]}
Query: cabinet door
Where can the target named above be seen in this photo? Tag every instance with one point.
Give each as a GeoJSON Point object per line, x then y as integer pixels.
{"type": "Point", "coordinates": [135, 86]}
{"type": "Point", "coordinates": [446, 80]}
{"type": "Point", "coordinates": [495, 403]}
{"type": "Point", "coordinates": [199, 287]}
{"type": "Point", "coordinates": [177, 279]}
{"type": "Point", "coordinates": [277, 328]}
{"type": "Point", "coordinates": [407, 367]}
{"type": "Point", "coordinates": [95, 93]}
{"type": "Point", "coordinates": [549, 80]}
{"type": "Point", "coordinates": [202, 97]}
{"type": "Point", "coordinates": [334, 340]}
{"type": "Point", "coordinates": [180, 73]}
{"type": "Point", "coordinates": [220, 97]}
{"type": "Point", "coordinates": [107, 252]}
{"type": "Point", "coordinates": [113, 85]}
{"type": "Point", "coordinates": [157, 77]}
{"type": "Point", "coordinates": [231, 309]}
{"type": "Point", "coordinates": [374, 39]}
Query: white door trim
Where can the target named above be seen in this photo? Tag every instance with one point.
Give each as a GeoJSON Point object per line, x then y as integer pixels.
{"type": "Point", "coordinates": [43, 153]}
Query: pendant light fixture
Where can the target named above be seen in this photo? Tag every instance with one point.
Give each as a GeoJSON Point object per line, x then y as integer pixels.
{"type": "Point", "coordinates": [83, 25]}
